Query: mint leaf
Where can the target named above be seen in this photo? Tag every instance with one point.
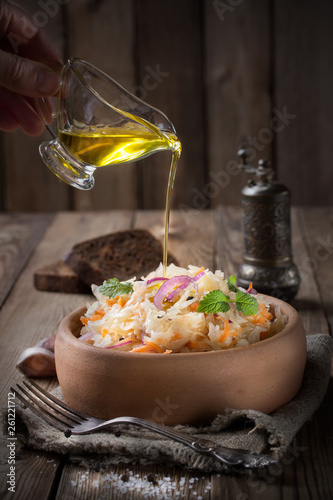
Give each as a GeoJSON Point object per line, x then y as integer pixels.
{"type": "Point", "coordinates": [213, 302]}
{"type": "Point", "coordinates": [112, 288]}
{"type": "Point", "coordinates": [246, 303]}
{"type": "Point", "coordinates": [232, 283]}
{"type": "Point", "coordinates": [217, 301]}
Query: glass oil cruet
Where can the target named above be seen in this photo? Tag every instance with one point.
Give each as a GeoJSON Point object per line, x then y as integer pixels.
{"type": "Point", "coordinates": [96, 123]}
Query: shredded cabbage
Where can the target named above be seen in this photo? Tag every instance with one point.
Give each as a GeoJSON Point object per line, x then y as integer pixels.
{"type": "Point", "coordinates": [132, 322]}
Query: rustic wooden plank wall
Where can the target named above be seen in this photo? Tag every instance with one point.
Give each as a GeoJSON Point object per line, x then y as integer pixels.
{"type": "Point", "coordinates": [228, 73]}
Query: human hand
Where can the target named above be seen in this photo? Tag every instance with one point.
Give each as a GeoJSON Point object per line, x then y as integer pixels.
{"type": "Point", "coordinates": [29, 68]}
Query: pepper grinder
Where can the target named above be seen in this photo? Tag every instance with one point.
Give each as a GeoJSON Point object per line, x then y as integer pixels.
{"type": "Point", "coordinates": [267, 261]}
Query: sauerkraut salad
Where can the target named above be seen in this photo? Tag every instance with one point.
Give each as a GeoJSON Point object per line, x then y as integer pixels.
{"type": "Point", "coordinates": [186, 310]}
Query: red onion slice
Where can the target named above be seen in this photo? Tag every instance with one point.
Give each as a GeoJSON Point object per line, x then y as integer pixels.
{"type": "Point", "coordinates": [157, 278]}
{"type": "Point", "coordinates": [198, 276]}
{"type": "Point", "coordinates": [86, 336]}
{"type": "Point", "coordinates": [142, 335]}
{"type": "Point", "coordinates": [167, 289]}
{"type": "Point", "coordinates": [180, 288]}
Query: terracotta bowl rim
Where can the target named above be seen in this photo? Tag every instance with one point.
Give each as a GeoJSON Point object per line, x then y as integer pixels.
{"type": "Point", "coordinates": [292, 321]}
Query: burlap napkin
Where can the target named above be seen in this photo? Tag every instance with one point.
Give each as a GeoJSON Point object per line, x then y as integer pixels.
{"type": "Point", "coordinates": [253, 430]}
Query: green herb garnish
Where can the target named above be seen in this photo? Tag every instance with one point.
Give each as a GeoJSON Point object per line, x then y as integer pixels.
{"type": "Point", "coordinates": [213, 302]}
{"type": "Point", "coordinates": [232, 284]}
{"type": "Point", "coordinates": [246, 303]}
{"type": "Point", "coordinates": [217, 301]}
{"type": "Point", "coordinates": [112, 288]}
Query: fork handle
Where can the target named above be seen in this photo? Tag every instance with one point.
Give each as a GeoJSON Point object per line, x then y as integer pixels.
{"type": "Point", "coordinates": [228, 456]}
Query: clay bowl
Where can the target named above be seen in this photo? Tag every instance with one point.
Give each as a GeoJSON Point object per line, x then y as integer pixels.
{"type": "Point", "coordinates": [184, 388]}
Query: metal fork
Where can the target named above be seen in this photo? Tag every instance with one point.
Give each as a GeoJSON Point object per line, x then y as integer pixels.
{"type": "Point", "coordinates": [58, 414]}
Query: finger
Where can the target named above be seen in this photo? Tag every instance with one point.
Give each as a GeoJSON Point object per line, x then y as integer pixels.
{"type": "Point", "coordinates": [25, 115]}
{"type": "Point", "coordinates": [44, 107]}
{"type": "Point", "coordinates": [8, 122]}
{"type": "Point", "coordinates": [26, 77]}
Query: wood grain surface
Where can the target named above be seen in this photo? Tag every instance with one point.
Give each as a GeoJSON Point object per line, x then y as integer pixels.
{"type": "Point", "coordinates": [213, 239]}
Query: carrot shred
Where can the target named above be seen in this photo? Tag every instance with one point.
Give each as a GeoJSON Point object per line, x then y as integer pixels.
{"type": "Point", "coordinates": [262, 316]}
{"type": "Point", "coordinates": [148, 347]}
{"type": "Point", "coordinates": [197, 345]}
{"type": "Point", "coordinates": [111, 302]}
{"type": "Point", "coordinates": [143, 348]}
{"type": "Point", "coordinates": [155, 346]}
{"type": "Point", "coordinates": [175, 336]}
{"type": "Point", "coordinates": [104, 332]}
{"type": "Point", "coordinates": [194, 306]}
{"type": "Point", "coordinates": [100, 311]}
{"type": "Point", "coordinates": [121, 301]}
{"type": "Point", "coordinates": [94, 317]}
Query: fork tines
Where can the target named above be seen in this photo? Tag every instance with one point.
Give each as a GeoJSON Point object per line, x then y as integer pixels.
{"type": "Point", "coordinates": [51, 409]}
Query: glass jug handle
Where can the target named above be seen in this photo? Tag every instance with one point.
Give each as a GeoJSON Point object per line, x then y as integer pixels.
{"type": "Point", "coordinates": [55, 156]}
{"type": "Point", "coordinates": [48, 114]}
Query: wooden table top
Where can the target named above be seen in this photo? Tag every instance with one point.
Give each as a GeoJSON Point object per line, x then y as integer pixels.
{"type": "Point", "coordinates": [212, 239]}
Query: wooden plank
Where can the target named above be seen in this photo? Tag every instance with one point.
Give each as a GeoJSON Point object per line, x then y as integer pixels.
{"type": "Point", "coordinates": [238, 100]}
{"type": "Point", "coordinates": [171, 78]}
{"type": "Point", "coordinates": [102, 33]}
{"type": "Point", "coordinates": [312, 470]}
{"type": "Point", "coordinates": [132, 483]}
{"type": "Point", "coordinates": [69, 228]}
{"type": "Point", "coordinates": [190, 245]}
{"type": "Point", "coordinates": [19, 234]}
{"type": "Point", "coordinates": [35, 473]}
{"type": "Point", "coordinates": [245, 487]}
{"type": "Point", "coordinates": [308, 301]}
{"type": "Point", "coordinates": [318, 234]}
{"type": "Point", "coordinates": [229, 240]}
{"type": "Point", "coordinates": [303, 82]}
{"type": "Point", "coordinates": [29, 185]}
{"type": "Point", "coordinates": [2, 173]}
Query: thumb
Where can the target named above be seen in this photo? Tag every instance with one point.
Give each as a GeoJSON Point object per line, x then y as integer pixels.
{"type": "Point", "coordinates": [27, 77]}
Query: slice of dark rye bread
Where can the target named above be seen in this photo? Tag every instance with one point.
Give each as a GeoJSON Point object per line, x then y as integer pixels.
{"type": "Point", "coordinates": [121, 255]}
{"type": "Point", "coordinates": [59, 277]}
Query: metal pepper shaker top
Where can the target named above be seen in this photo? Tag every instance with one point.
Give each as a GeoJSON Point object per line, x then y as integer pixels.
{"type": "Point", "coordinates": [267, 260]}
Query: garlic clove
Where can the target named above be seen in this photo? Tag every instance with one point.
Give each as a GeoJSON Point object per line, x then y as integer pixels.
{"type": "Point", "coordinates": [47, 343]}
{"type": "Point", "coordinates": [37, 362]}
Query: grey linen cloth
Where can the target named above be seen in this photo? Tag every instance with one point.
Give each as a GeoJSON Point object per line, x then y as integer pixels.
{"type": "Point", "coordinates": [247, 429]}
